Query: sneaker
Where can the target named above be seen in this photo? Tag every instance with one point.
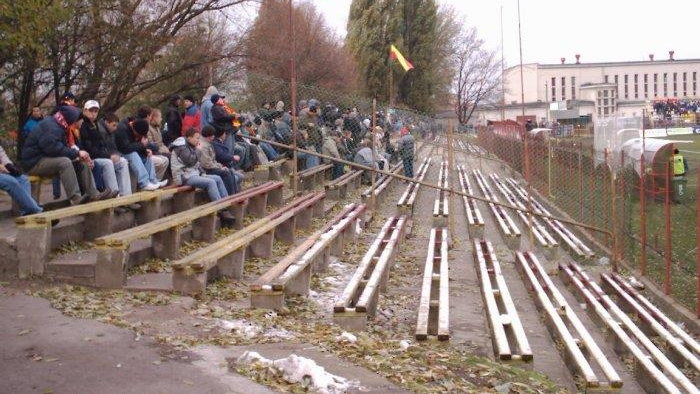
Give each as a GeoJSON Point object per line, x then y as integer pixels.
{"type": "Point", "coordinates": [134, 207]}
{"type": "Point", "coordinates": [163, 183]}
{"type": "Point", "coordinates": [150, 187]}
{"type": "Point", "coordinates": [113, 193]}
{"type": "Point", "coordinates": [79, 200]}
{"type": "Point", "coordinates": [227, 216]}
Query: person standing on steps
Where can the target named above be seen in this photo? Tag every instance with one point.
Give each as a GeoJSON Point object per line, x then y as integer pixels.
{"type": "Point", "coordinates": [406, 152]}
{"type": "Point", "coordinates": [679, 168]}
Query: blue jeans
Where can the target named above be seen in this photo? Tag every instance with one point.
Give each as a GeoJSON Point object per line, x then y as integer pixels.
{"type": "Point", "coordinates": [309, 160]}
{"type": "Point", "coordinates": [144, 169]}
{"type": "Point", "coordinates": [21, 191]}
{"type": "Point", "coordinates": [338, 170]}
{"type": "Point", "coordinates": [269, 151]}
{"type": "Point", "coordinates": [114, 176]}
{"type": "Point", "coordinates": [213, 184]}
{"type": "Point", "coordinates": [232, 179]}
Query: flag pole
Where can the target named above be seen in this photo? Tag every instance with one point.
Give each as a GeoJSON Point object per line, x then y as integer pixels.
{"type": "Point", "coordinates": [391, 85]}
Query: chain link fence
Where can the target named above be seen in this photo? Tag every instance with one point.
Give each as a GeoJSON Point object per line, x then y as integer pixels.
{"type": "Point", "coordinates": [613, 188]}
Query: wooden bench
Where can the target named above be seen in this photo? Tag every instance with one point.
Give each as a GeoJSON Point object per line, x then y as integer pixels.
{"type": "Point", "coordinates": [507, 334]}
{"type": "Point", "coordinates": [35, 233]}
{"type": "Point", "coordinates": [273, 170]}
{"type": "Point", "coordinates": [579, 349]}
{"type": "Point", "coordinates": [360, 296]}
{"type": "Point", "coordinates": [434, 308]}
{"type": "Point", "coordinates": [337, 189]}
{"type": "Point", "coordinates": [113, 250]}
{"type": "Point", "coordinates": [441, 207]}
{"type": "Point", "coordinates": [381, 185]}
{"type": "Point", "coordinates": [680, 347]}
{"type": "Point", "coordinates": [475, 222]}
{"type": "Point", "coordinates": [226, 257]}
{"type": "Point", "coordinates": [408, 198]}
{"type": "Point", "coordinates": [292, 275]}
{"type": "Point", "coordinates": [509, 230]}
{"type": "Point", "coordinates": [546, 242]}
{"type": "Point", "coordinates": [575, 246]}
{"type": "Point", "coordinates": [314, 176]}
{"type": "Point", "coordinates": [652, 368]}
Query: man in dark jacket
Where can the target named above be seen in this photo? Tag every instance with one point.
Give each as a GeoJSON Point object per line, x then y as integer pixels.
{"type": "Point", "coordinates": [173, 120]}
{"type": "Point", "coordinates": [46, 154]}
{"type": "Point", "coordinates": [112, 168]}
{"type": "Point", "coordinates": [133, 145]}
{"type": "Point", "coordinates": [223, 122]}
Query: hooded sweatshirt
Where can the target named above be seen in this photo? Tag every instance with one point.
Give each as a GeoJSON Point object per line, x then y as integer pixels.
{"type": "Point", "coordinates": [206, 106]}
{"type": "Point", "coordinates": [183, 161]}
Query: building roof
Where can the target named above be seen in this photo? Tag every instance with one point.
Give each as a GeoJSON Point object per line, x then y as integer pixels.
{"type": "Point", "coordinates": [606, 64]}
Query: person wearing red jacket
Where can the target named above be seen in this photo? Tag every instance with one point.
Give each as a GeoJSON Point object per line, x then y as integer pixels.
{"type": "Point", "coordinates": [193, 116]}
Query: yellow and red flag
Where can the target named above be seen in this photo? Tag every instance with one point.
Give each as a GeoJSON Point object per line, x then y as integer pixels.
{"type": "Point", "coordinates": [394, 54]}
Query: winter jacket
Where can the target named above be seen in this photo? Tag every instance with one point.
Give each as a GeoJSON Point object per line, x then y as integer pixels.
{"type": "Point", "coordinates": [91, 140]}
{"type": "Point", "coordinates": [127, 140]}
{"type": "Point", "coordinates": [155, 137]}
{"type": "Point", "coordinates": [222, 120]}
{"type": "Point", "coordinates": [192, 118]}
{"type": "Point", "coordinates": [173, 118]}
{"type": "Point", "coordinates": [29, 126]}
{"type": "Point", "coordinates": [406, 146]}
{"type": "Point", "coordinates": [329, 148]}
{"type": "Point", "coordinates": [183, 161]}
{"type": "Point", "coordinates": [47, 140]}
{"type": "Point", "coordinates": [363, 157]}
{"type": "Point", "coordinates": [207, 156]}
{"type": "Point", "coordinates": [222, 154]}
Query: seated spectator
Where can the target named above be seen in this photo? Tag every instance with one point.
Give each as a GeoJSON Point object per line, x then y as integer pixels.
{"type": "Point", "coordinates": [133, 145]}
{"type": "Point", "coordinates": [364, 157]}
{"type": "Point", "coordinates": [193, 116]}
{"type": "Point", "coordinates": [188, 171]}
{"type": "Point", "coordinates": [331, 149]}
{"type": "Point", "coordinates": [207, 157]}
{"type": "Point", "coordinates": [112, 167]}
{"type": "Point", "coordinates": [160, 160]}
{"type": "Point", "coordinates": [17, 186]}
{"type": "Point", "coordinates": [223, 120]}
{"type": "Point", "coordinates": [155, 136]}
{"type": "Point", "coordinates": [221, 152]}
{"type": "Point", "coordinates": [268, 150]}
{"type": "Point", "coordinates": [47, 153]}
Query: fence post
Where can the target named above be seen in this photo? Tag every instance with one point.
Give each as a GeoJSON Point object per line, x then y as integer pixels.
{"type": "Point", "coordinates": [373, 175]}
{"type": "Point", "coordinates": [667, 215]}
{"type": "Point", "coordinates": [615, 245]}
{"type": "Point", "coordinates": [580, 178]}
{"type": "Point", "coordinates": [697, 249]}
{"type": "Point", "coordinates": [549, 167]}
{"type": "Point", "coordinates": [293, 82]}
{"type": "Point", "coordinates": [643, 217]}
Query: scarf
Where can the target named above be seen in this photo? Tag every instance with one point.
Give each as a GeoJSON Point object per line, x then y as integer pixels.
{"type": "Point", "coordinates": [71, 131]}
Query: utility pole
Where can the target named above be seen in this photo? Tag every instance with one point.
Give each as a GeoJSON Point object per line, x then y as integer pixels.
{"type": "Point", "coordinates": [522, 81]}
{"type": "Point", "coordinates": [503, 82]}
{"type": "Point", "coordinates": [293, 89]}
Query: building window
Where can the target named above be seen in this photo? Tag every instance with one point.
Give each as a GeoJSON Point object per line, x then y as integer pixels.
{"type": "Point", "coordinates": [636, 86]}
{"type": "Point", "coordinates": [646, 85]}
{"type": "Point", "coordinates": [573, 88]}
{"type": "Point", "coordinates": [665, 84]}
{"type": "Point", "coordinates": [656, 87]}
{"type": "Point", "coordinates": [627, 86]}
{"type": "Point", "coordinates": [563, 88]}
{"type": "Point", "coordinates": [605, 110]}
{"type": "Point", "coordinates": [554, 89]}
{"type": "Point", "coordinates": [695, 90]}
{"type": "Point", "coordinates": [606, 79]}
{"type": "Point", "coordinates": [685, 84]}
{"type": "Point", "coordinates": [675, 85]}
{"type": "Point", "coordinates": [617, 88]}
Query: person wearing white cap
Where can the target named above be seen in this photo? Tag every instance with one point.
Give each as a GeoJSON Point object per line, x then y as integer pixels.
{"type": "Point", "coordinates": [110, 166]}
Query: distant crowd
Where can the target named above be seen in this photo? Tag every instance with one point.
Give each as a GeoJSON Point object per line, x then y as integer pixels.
{"type": "Point", "coordinates": [203, 143]}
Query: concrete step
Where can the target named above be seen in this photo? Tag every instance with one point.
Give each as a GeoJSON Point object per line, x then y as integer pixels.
{"type": "Point", "coordinates": [151, 282]}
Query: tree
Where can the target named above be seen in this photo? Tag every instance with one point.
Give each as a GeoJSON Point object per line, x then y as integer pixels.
{"type": "Point", "coordinates": [321, 58]}
{"type": "Point", "coordinates": [478, 76]}
{"type": "Point", "coordinates": [410, 25]}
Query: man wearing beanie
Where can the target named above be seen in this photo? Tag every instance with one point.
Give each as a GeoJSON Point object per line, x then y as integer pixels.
{"type": "Point", "coordinates": [132, 142]}
{"type": "Point", "coordinates": [46, 153]}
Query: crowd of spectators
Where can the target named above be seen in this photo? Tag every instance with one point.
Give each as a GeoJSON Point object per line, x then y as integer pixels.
{"type": "Point", "coordinates": [203, 143]}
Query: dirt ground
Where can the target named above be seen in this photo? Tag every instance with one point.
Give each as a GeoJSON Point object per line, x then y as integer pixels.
{"type": "Point", "coordinates": [198, 339]}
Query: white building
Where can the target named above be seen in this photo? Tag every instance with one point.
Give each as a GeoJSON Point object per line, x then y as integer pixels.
{"type": "Point", "coordinates": [570, 90]}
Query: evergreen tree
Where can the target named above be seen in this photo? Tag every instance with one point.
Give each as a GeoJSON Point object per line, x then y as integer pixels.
{"type": "Point", "coordinates": [410, 25]}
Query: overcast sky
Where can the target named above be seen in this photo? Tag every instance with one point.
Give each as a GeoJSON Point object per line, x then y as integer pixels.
{"type": "Point", "coordinates": [599, 30]}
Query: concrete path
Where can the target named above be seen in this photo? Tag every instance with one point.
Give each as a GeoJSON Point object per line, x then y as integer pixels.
{"type": "Point", "coordinates": [43, 351]}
